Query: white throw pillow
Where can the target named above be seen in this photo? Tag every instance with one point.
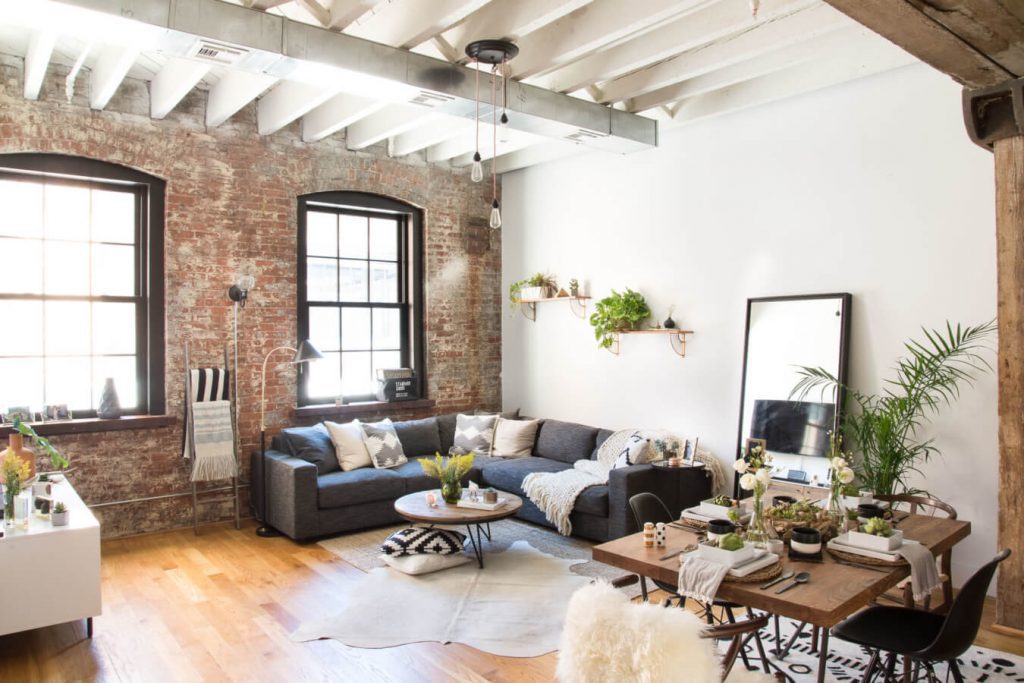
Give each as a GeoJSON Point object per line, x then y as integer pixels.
{"type": "Point", "coordinates": [636, 450]}
{"type": "Point", "coordinates": [424, 564]}
{"type": "Point", "coordinates": [348, 445]}
{"type": "Point", "coordinates": [514, 438]}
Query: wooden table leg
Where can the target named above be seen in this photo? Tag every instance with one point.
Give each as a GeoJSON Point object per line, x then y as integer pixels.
{"type": "Point", "coordinates": [823, 655]}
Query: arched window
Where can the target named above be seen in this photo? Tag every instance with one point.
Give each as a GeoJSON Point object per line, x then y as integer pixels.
{"type": "Point", "coordinates": [360, 292]}
{"type": "Point", "coordinates": [81, 284]}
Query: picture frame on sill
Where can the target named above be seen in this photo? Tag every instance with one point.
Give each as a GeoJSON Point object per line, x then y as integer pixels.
{"type": "Point", "coordinates": [56, 413]}
{"type": "Point", "coordinates": [21, 412]}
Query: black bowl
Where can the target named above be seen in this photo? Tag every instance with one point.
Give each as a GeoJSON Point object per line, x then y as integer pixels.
{"type": "Point", "coordinates": [782, 500]}
{"type": "Point", "coordinates": [721, 527]}
{"type": "Point", "coordinates": [806, 534]}
{"type": "Point", "coordinates": [869, 510]}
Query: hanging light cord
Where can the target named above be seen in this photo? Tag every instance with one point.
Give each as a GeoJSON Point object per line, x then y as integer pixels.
{"type": "Point", "coordinates": [476, 63]}
{"type": "Point", "coordinates": [494, 130]}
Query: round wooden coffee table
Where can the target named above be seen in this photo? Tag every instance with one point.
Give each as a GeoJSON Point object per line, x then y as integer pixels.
{"type": "Point", "coordinates": [414, 507]}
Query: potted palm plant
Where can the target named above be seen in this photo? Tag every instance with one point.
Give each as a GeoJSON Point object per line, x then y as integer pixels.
{"type": "Point", "coordinates": [886, 428]}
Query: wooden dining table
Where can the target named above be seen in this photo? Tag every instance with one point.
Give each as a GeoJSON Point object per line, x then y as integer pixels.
{"type": "Point", "coordinates": [834, 591]}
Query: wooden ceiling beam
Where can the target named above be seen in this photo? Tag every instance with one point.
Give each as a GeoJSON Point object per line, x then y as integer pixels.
{"type": "Point", "coordinates": [508, 19]}
{"type": "Point", "coordinates": [407, 23]}
{"type": "Point", "coordinates": [978, 43]}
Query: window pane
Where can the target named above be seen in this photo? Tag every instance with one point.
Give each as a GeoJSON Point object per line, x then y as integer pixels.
{"type": "Point", "coordinates": [113, 328]}
{"type": "Point", "coordinates": [22, 214]}
{"type": "Point", "coordinates": [353, 280]}
{"type": "Point", "coordinates": [67, 268]}
{"type": "Point", "coordinates": [67, 328]}
{"type": "Point", "coordinates": [22, 383]}
{"type": "Point", "coordinates": [352, 236]}
{"type": "Point", "coordinates": [321, 234]}
{"type": "Point", "coordinates": [22, 267]}
{"type": "Point", "coordinates": [324, 376]}
{"type": "Point", "coordinates": [113, 270]}
{"type": "Point", "coordinates": [67, 212]}
{"type": "Point", "coordinates": [122, 370]}
{"type": "Point", "coordinates": [387, 328]}
{"type": "Point", "coordinates": [22, 333]}
{"type": "Point", "coordinates": [387, 360]}
{"type": "Point", "coordinates": [383, 282]}
{"type": "Point", "coordinates": [113, 217]}
{"type": "Point", "coordinates": [383, 239]}
{"type": "Point", "coordinates": [321, 279]}
{"type": "Point", "coordinates": [357, 374]}
{"type": "Point", "coordinates": [355, 329]}
{"type": "Point", "coordinates": [69, 381]}
{"type": "Point", "coordinates": [324, 330]}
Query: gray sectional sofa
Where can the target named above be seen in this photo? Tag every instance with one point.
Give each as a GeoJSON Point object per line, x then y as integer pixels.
{"type": "Point", "coordinates": [310, 497]}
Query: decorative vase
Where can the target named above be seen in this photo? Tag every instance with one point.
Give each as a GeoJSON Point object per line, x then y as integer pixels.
{"type": "Point", "coordinates": [16, 449]}
{"type": "Point", "coordinates": [8, 506]}
{"type": "Point", "coordinates": [836, 509]}
{"type": "Point", "coordinates": [759, 529]}
{"type": "Point", "coordinates": [110, 405]}
{"type": "Point", "coordinates": [451, 491]}
{"type": "Point", "coordinates": [669, 323]}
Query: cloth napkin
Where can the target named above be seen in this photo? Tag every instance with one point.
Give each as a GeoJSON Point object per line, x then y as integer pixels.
{"type": "Point", "coordinates": [700, 579]}
{"type": "Point", "coordinates": [924, 577]}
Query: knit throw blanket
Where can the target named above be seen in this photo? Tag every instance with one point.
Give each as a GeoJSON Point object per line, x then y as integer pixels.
{"type": "Point", "coordinates": [555, 493]}
{"type": "Point", "coordinates": [214, 441]}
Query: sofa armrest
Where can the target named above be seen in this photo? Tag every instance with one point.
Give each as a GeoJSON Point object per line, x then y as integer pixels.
{"type": "Point", "coordinates": [626, 482]}
{"type": "Point", "coordinates": [292, 494]}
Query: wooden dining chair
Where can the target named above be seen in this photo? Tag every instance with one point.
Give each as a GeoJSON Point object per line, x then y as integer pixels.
{"type": "Point", "coordinates": [921, 505]}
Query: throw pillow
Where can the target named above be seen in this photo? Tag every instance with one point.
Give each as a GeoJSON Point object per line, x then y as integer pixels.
{"type": "Point", "coordinates": [635, 449]}
{"type": "Point", "coordinates": [621, 461]}
{"type": "Point", "coordinates": [424, 564]}
{"type": "Point", "coordinates": [312, 444]}
{"type": "Point", "coordinates": [348, 445]}
{"type": "Point", "coordinates": [419, 437]}
{"type": "Point", "coordinates": [514, 438]}
{"type": "Point", "coordinates": [418, 541]}
{"type": "Point", "coordinates": [473, 433]}
{"type": "Point", "coordinates": [383, 445]}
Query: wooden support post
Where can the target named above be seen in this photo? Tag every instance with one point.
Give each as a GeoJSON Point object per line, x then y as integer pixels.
{"type": "Point", "coordinates": [1009, 160]}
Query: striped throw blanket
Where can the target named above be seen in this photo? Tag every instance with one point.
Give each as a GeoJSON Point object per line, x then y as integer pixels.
{"type": "Point", "coordinates": [214, 456]}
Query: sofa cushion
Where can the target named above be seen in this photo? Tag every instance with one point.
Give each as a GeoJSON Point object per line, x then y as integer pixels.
{"type": "Point", "coordinates": [383, 445]}
{"type": "Point", "coordinates": [365, 485]}
{"type": "Point", "coordinates": [514, 438]}
{"type": "Point", "coordinates": [312, 444]}
{"type": "Point", "coordinates": [419, 437]}
{"type": "Point", "coordinates": [413, 477]}
{"type": "Point", "coordinates": [474, 433]}
{"type": "Point", "coordinates": [565, 441]}
{"type": "Point", "coordinates": [446, 431]}
{"type": "Point", "coordinates": [348, 445]}
{"type": "Point", "coordinates": [593, 501]}
{"type": "Point", "coordinates": [602, 436]}
{"type": "Point", "coordinates": [508, 475]}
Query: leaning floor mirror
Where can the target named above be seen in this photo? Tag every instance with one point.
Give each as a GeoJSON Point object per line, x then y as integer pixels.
{"type": "Point", "coordinates": [782, 334]}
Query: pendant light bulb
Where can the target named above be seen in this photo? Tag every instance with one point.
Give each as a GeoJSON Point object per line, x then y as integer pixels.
{"type": "Point", "coordinates": [503, 129]}
{"type": "Point", "coordinates": [477, 174]}
{"type": "Point", "coordinates": [495, 215]}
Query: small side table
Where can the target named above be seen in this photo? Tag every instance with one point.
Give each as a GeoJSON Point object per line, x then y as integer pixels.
{"type": "Point", "coordinates": [692, 484]}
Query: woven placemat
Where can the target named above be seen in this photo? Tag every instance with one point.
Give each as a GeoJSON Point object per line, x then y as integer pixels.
{"type": "Point", "coordinates": [692, 523]}
{"type": "Point", "coordinates": [864, 559]}
{"type": "Point", "coordinates": [769, 572]}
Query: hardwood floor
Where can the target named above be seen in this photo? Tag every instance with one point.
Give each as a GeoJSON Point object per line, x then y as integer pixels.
{"type": "Point", "coordinates": [220, 606]}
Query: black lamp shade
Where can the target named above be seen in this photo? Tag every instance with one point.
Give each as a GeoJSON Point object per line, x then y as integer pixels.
{"type": "Point", "coordinates": [306, 352]}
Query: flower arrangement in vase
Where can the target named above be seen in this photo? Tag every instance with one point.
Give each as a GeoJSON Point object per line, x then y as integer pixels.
{"type": "Point", "coordinates": [755, 470]}
{"type": "Point", "coordinates": [16, 472]}
{"type": "Point", "coordinates": [840, 475]}
{"type": "Point", "coordinates": [449, 471]}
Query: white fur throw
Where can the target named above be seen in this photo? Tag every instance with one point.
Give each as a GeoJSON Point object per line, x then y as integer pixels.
{"type": "Point", "coordinates": [607, 638]}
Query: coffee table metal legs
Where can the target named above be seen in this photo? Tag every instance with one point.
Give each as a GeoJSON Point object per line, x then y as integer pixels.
{"type": "Point", "coordinates": [477, 542]}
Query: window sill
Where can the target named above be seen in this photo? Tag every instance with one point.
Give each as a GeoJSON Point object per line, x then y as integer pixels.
{"type": "Point", "coordinates": [362, 409]}
{"type": "Point", "coordinates": [95, 424]}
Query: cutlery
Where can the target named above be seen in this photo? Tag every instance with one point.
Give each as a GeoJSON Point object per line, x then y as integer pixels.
{"type": "Point", "coordinates": [780, 579]}
{"type": "Point", "coordinates": [802, 577]}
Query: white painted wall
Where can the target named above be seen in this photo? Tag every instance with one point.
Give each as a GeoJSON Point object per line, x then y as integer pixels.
{"type": "Point", "coordinates": [871, 187]}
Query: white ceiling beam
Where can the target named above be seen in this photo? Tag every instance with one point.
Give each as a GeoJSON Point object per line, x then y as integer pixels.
{"type": "Point", "coordinates": [344, 12]}
{"type": "Point", "coordinates": [592, 27]}
{"type": "Point", "coordinates": [265, 4]}
{"type": "Point", "coordinates": [827, 46]}
{"type": "Point", "coordinates": [874, 57]}
{"type": "Point", "coordinates": [462, 144]}
{"type": "Point", "coordinates": [537, 154]}
{"type": "Point", "coordinates": [318, 11]}
{"type": "Point", "coordinates": [233, 91]}
{"type": "Point", "coordinates": [808, 23]}
{"type": "Point", "coordinates": [170, 85]}
{"type": "Point", "coordinates": [407, 23]}
{"type": "Point", "coordinates": [428, 134]}
{"type": "Point", "coordinates": [110, 69]}
{"type": "Point", "coordinates": [509, 19]}
{"type": "Point", "coordinates": [393, 120]}
{"type": "Point", "coordinates": [513, 144]}
{"type": "Point", "coordinates": [37, 58]}
{"type": "Point", "coordinates": [341, 111]}
{"type": "Point", "coordinates": [286, 102]}
{"type": "Point", "coordinates": [704, 26]}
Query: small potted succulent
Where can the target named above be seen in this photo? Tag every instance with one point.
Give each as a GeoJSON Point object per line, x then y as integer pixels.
{"type": "Point", "coordinates": [59, 515]}
{"type": "Point", "coordinates": [877, 534]}
{"type": "Point", "coordinates": [718, 507]}
{"type": "Point", "coordinates": [490, 495]}
{"type": "Point", "coordinates": [574, 287]}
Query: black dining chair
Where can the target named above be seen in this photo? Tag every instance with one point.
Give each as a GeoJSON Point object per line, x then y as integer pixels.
{"type": "Point", "coordinates": [921, 637]}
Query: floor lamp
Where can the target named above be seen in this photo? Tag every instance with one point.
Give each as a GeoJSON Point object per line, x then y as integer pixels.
{"type": "Point", "coordinates": [305, 353]}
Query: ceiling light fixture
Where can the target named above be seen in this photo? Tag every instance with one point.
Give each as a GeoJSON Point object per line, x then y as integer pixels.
{"type": "Point", "coordinates": [497, 53]}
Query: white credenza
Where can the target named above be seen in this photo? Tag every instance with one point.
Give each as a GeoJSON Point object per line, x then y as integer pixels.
{"type": "Point", "coordinates": [56, 570]}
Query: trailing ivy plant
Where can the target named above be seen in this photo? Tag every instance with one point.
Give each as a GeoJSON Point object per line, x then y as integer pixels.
{"type": "Point", "coordinates": [616, 313]}
{"type": "Point", "coordinates": [535, 280]}
{"type": "Point", "coordinates": [886, 427]}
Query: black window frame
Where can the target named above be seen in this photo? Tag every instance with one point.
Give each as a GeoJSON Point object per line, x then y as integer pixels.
{"type": "Point", "coordinates": [411, 277]}
{"type": "Point", "coordinates": [150, 192]}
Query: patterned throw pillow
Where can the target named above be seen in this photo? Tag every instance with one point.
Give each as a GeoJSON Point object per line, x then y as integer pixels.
{"type": "Point", "coordinates": [383, 445]}
{"type": "Point", "coordinates": [418, 541]}
{"type": "Point", "coordinates": [635, 451]}
{"type": "Point", "coordinates": [473, 433]}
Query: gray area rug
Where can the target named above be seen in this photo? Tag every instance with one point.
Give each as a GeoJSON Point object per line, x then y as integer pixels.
{"type": "Point", "coordinates": [362, 549]}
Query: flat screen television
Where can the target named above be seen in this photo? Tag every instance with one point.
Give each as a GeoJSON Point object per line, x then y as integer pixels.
{"type": "Point", "coordinates": [793, 427]}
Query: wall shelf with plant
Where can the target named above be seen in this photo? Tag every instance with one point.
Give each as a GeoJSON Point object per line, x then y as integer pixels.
{"type": "Point", "coordinates": [677, 338]}
{"type": "Point", "coordinates": [578, 305]}
{"type": "Point", "coordinates": [542, 288]}
{"type": "Point", "coordinates": [623, 313]}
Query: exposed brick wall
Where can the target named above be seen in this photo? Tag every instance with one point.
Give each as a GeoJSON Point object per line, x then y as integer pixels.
{"type": "Point", "coordinates": [231, 208]}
